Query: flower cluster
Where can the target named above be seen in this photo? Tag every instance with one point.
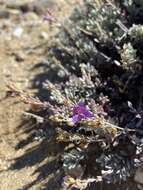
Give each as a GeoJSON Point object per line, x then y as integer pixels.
{"type": "Point", "coordinates": [80, 112]}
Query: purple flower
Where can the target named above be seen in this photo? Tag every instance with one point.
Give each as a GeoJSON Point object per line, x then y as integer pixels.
{"type": "Point", "coordinates": [80, 111]}
{"type": "Point", "coordinates": [49, 18]}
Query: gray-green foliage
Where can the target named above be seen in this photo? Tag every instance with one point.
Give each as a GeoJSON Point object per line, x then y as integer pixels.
{"type": "Point", "coordinates": [101, 47]}
{"type": "Point", "coordinates": [100, 30]}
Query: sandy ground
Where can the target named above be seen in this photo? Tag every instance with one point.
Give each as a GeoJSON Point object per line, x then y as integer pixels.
{"type": "Point", "coordinates": [26, 163]}
{"type": "Point", "coordinates": [22, 35]}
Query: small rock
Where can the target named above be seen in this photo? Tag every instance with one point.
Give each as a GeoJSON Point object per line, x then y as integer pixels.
{"type": "Point", "coordinates": [19, 56]}
{"type": "Point", "coordinates": [44, 35]}
{"type": "Point", "coordinates": [61, 74]}
{"type": "Point", "coordinates": [31, 16]}
{"type": "Point", "coordinates": [39, 7]}
{"type": "Point", "coordinates": [7, 73]}
{"type": "Point", "coordinates": [18, 31]}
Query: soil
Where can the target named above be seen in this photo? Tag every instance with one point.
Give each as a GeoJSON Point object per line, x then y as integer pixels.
{"type": "Point", "coordinates": [24, 38]}
{"type": "Point", "coordinates": [26, 161]}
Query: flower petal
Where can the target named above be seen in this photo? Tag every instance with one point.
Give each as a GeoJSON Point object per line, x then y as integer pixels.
{"type": "Point", "coordinates": [75, 118]}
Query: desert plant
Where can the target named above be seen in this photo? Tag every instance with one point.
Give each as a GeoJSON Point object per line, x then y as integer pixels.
{"type": "Point", "coordinates": [99, 48]}
{"type": "Point", "coordinates": [97, 105]}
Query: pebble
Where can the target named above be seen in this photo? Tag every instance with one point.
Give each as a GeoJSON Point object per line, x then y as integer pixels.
{"type": "Point", "coordinates": [18, 31]}
{"type": "Point", "coordinates": [39, 7]}
{"type": "Point", "coordinates": [19, 56]}
{"type": "Point", "coordinates": [44, 35]}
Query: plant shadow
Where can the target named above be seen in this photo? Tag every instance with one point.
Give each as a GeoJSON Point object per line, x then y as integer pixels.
{"type": "Point", "coordinates": [44, 154]}
{"type": "Point", "coordinates": [43, 150]}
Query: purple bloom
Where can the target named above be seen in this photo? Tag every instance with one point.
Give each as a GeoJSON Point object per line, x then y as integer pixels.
{"type": "Point", "coordinates": [49, 18]}
{"type": "Point", "coordinates": [80, 111]}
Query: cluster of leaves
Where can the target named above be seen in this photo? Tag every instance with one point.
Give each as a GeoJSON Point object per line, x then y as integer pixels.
{"type": "Point", "coordinates": [100, 48]}
{"type": "Point", "coordinates": [97, 105]}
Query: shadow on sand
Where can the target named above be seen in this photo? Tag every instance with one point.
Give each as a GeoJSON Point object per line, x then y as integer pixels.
{"type": "Point", "coordinates": [47, 152]}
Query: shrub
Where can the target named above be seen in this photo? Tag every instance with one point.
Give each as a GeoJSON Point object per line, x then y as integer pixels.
{"type": "Point", "coordinates": [96, 103]}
